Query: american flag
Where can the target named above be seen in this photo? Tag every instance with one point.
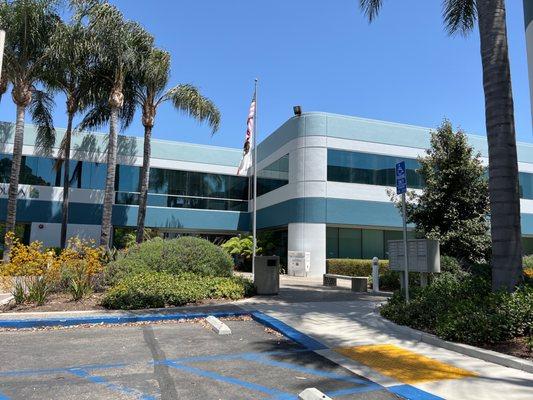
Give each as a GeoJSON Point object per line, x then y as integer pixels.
{"type": "Point", "coordinates": [246, 161]}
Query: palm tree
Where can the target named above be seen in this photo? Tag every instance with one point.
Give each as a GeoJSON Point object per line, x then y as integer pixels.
{"type": "Point", "coordinates": [150, 92]}
{"type": "Point", "coordinates": [120, 45]}
{"type": "Point", "coordinates": [72, 71]}
{"type": "Point", "coordinates": [460, 16]}
{"type": "Point", "coordinates": [29, 24]}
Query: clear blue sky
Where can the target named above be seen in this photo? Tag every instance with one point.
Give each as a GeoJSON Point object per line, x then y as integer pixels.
{"type": "Point", "coordinates": [324, 56]}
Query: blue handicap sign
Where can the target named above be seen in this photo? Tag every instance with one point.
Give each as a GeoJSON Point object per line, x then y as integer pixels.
{"type": "Point", "coordinates": [401, 178]}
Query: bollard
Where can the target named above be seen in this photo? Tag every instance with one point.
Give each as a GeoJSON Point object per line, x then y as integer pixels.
{"type": "Point", "coordinates": [375, 274]}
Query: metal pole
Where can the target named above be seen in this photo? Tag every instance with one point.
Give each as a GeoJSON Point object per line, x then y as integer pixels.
{"type": "Point", "coordinates": [254, 217]}
{"type": "Point", "coordinates": [2, 42]}
{"type": "Point", "coordinates": [406, 253]}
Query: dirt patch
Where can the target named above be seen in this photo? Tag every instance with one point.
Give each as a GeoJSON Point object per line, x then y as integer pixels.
{"type": "Point", "coordinates": [59, 302]}
{"type": "Point", "coordinates": [517, 347]}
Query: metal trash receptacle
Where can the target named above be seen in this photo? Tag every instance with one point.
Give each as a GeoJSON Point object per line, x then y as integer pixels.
{"type": "Point", "coordinates": [266, 277]}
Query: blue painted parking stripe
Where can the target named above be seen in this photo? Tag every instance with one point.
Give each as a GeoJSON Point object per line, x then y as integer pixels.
{"type": "Point", "coordinates": [262, 359]}
{"type": "Point", "coordinates": [112, 386]}
{"type": "Point", "coordinates": [4, 397]}
{"type": "Point", "coordinates": [25, 372]}
{"type": "Point", "coordinates": [372, 387]}
{"type": "Point", "coordinates": [409, 392]}
{"type": "Point", "coordinates": [288, 331]}
{"type": "Point", "coordinates": [225, 379]}
{"type": "Point", "coordinates": [224, 357]}
{"type": "Point", "coordinates": [110, 319]}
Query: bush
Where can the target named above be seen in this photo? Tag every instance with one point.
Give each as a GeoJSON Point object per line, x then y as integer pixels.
{"type": "Point", "coordinates": [353, 267]}
{"type": "Point", "coordinates": [463, 309]}
{"type": "Point", "coordinates": [161, 289]}
{"type": "Point", "coordinates": [175, 256]}
{"type": "Point", "coordinates": [527, 261]}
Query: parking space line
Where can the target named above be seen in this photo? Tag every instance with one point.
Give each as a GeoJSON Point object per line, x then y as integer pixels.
{"type": "Point", "coordinates": [412, 393]}
{"type": "Point", "coordinates": [225, 379]}
{"type": "Point", "coordinates": [24, 372]}
{"type": "Point", "coordinates": [263, 359]}
{"type": "Point", "coordinates": [4, 397]}
{"type": "Point", "coordinates": [80, 373]}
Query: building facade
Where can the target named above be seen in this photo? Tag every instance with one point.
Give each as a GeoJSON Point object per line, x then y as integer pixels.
{"type": "Point", "coordinates": [528, 22]}
{"type": "Point", "coordinates": [322, 187]}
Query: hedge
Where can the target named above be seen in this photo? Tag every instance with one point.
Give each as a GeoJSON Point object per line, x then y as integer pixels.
{"type": "Point", "coordinates": [161, 289]}
{"type": "Point", "coordinates": [464, 309]}
{"type": "Point", "coordinates": [353, 267]}
{"type": "Point", "coordinates": [175, 256]}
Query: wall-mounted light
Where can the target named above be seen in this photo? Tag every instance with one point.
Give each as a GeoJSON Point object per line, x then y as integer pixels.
{"type": "Point", "coordinates": [41, 226]}
{"type": "Point", "coordinates": [297, 110]}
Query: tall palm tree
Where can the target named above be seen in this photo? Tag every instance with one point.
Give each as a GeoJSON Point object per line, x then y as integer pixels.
{"type": "Point", "coordinates": [29, 24]}
{"type": "Point", "coordinates": [460, 16]}
{"type": "Point", "coordinates": [72, 72]}
{"type": "Point", "coordinates": [150, 91]}
{"type": "Point", "coordinates": [120, 48]}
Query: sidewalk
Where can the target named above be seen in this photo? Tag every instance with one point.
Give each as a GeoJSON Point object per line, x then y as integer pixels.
{"type": "Point", "coordinates": [349, 324]}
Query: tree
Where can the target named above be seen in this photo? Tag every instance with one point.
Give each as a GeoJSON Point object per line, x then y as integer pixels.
{"type": "Point", "coordinates": [150, 91]}
{"type": "Point", "coordinates": [120, 47]}
{"type": "Point", "coordinates": [460, 16]}
{"type": "Point", "coordinates": [29, 24]}
{"type": "Point", "coordinates": [72, 71]}
{"type": "Point", "coordinates": [453, 207]}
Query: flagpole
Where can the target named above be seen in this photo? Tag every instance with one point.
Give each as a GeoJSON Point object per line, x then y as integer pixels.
{"type": "Point", "coordinates": [254, 216]}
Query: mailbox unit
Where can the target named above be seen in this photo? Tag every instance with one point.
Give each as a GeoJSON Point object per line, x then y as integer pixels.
{"type": "Point", "coordinates": [424, 255]}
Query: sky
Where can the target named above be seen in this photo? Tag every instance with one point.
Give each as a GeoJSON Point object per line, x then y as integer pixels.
{"type": "Point", "coordinates": [324, 56]}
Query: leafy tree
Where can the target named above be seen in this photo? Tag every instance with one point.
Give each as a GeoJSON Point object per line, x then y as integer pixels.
{"type": "Point", "coordinates": [241, 248]}
{"type": "Point", "coordinates": [150, 91]}
{"type": "Point", "coordinates": [454, 204]}
{"type": "Point", "coordinates": [460, 16]}
{"type": "Point", "coordinates": [29, 24]}
{"type": "Point", "coordinates": [120, 46]}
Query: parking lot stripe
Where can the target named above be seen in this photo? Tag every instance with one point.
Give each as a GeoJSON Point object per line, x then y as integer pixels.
{"type": "Point", "coordinates": [25, 372]}
{"type": "Point", "coordinates": [4, 397]}
{"type": "Point", "coordinates": [262, 359]}
{"type": "Point", "coordinates": [403, 365]}
{"type": "Point", "coordinates": [412, 393]}
{"type": "Point", "coordinates": [288, 331]}
{"type": "Point", "coordinates": [226, 379]}
{"type": "Point", "coordinates": [80, 373]}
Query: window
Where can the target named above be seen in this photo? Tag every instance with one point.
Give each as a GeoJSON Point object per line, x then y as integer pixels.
{"type": "Point", "coordinates": [370, 169]}
{"type": "Point", "coordinates": [273, 176]}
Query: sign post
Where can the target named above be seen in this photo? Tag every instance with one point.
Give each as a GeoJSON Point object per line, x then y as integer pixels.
{"type": "Point", "coordinates": [401, 188]}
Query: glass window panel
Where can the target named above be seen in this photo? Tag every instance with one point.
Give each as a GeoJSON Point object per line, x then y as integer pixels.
{"type": "Point", "coordinates": [332, 242]}
{"type": "Point", "coordinates": [127, 178]}
{"type": "Point", "coordinates": [372, 243]}
{"type": "Point", "coordinates": [349, 243]}
{"type": "Point", "coordinates": [527, 245]}
{"type": "Point", "coordinates": [5, 168]}
{"type": "Point", "coordinates": [273, 176]}
{"type": "Point", "coordinates": [370, 169]}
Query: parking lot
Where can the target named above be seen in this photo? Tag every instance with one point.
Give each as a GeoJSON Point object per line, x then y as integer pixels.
{"type": "Point", "coordinates": [184, 360]}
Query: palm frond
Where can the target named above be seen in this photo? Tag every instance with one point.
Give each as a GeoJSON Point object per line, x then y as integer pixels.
{"type": "Point", "coordinates": [97, 116]}
{"type": "Point", "coordinates": [371, 8]}
{"type": "Point", "coordinates": [40, 109]}
{"type": "Point", "coordinates": [187, 98]}
{"type": "Point", "coordinates": [459, 15]}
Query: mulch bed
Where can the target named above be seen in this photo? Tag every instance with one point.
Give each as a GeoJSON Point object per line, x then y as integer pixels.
{"type": "Point", "coordinates": [58, 302]}
{"type": "Point", "coordinates": [516, 347]}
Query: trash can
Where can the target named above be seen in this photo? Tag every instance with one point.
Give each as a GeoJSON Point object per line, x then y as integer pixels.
{"type": "Point", "coordinates": [266, 277]}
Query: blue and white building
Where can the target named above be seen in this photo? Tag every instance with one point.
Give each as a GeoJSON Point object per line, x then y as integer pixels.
{"type": "Point", "coordinates": [322, 186]}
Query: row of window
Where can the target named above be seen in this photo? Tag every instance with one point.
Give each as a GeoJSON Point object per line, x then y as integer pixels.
{"type": "Point", "coordinates": [273, 176]}
{"type": "Point", "coordinates": [91, 175]}
{"type": "Point", "coordinates": [371, 169]}
{"type": "Point", "coordinates": [359, 243]}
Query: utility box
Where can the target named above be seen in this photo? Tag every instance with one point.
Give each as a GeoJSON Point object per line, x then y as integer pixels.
{"type": "Point", "coordinates": [266, 274]}
{"type": "Point", "coordinates": [299, 263]}
{"type": "Point", "coordinates": [424, 255]}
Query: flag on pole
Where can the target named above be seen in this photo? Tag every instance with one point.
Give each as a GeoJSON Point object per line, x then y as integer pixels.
{"type": "Point", "coordinates": [246, 161]}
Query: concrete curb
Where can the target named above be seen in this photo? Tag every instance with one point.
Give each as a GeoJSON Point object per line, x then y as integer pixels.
{"type": "Point", "coordinates": [465, 349]}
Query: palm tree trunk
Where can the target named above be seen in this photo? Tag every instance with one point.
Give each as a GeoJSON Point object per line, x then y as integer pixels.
{"type": "Point", "coordinates": [110, 179]}
{"type": "Point", "coordinates": [14, 177]}
{"type": "Point", "coordinates": [145, 175]}
{"type": "Point", "coordinates": [66, 181]}
{"type": "Point", "coordinates": [503, 167]}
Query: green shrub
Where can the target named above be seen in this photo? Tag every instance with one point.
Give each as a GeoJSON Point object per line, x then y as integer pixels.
{"type": "Point", "coordinates": [176, 256]}
{"type": "Point", "coordinates": [527, 261]}
{"type": "Point", "coordinates": [160, 289]}
{"type": "Point", "coordinates": [462, 308]}
{"type": "Point", "coordinates": [353, 267]}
